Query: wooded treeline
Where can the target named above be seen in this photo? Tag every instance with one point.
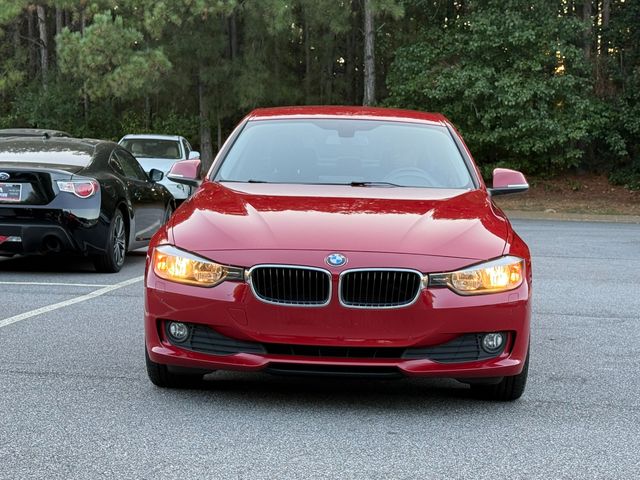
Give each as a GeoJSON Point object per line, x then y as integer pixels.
{"type": "Point", "coordinates": [541, 85]}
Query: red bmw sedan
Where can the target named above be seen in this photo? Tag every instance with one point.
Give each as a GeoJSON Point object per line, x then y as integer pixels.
{"type": "Point", "coordinates": [341, 241]}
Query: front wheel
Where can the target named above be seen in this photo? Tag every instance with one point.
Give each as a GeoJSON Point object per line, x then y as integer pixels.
{"type": "Point", "coordinates": [161, 376]}
{"type": "Point", "coordinates": [112, 259]}
{"type": "Point", "coordinates": [508, 389]}
{"type": "Point", "coordinates": [167, 213]}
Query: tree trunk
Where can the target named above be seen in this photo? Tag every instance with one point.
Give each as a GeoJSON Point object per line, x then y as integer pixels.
{"type": "Point", "coordinates": [206, 149]}
{"type": "Point", "coordinates": [59, 20]}
{"type": "Point", "coordinates": [586, 16]}
{"type": "Point", "coordinates": [219, 132]}
{"type": "Point", "coordinates": [369, 55]}
{"type": "Point", "coordinates": [16, 38]}
{"type": "Point", "coordinates": [329, 69]}
{"type": "Point", "coordinates": [147, 113]}
{"type": "Point", "coordinates": [606, 13]}
{"type": "Point", "coordinates": [349, 64]}
{"type": "Point", "coordinates": [85, 104]}
{"type": "Point", "coordinates": [31, 34]}
{"type": "Point", "coordinates": [356, 51]}
{"type": "Point", "coordinates": [83, 20]}
{"type": "Point", "coordinates": [307, 64]}
{"type": "Point", "coordinates": [233, 37]}
{"type": "Point", "coordinates": [604, 85]}
{"type": "Point", "coordinates": [44, 44]}
{"type": "Point", "coordinates": [606, 16]}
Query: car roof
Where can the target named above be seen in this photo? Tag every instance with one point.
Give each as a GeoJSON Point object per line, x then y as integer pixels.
{"type": "Point", "coordinates": [362, 113]}
{"type": "Point", "coordinates": [32, 132]}
{"type": "Point", "coordinates": [152, 136]}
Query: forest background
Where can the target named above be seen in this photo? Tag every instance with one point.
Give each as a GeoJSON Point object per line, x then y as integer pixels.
{"type": "Point", "coordinates": [545, 86]}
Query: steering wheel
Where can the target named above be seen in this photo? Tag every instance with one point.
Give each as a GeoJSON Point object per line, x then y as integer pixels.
{"type": "Point", "coordinates": [411, 172]}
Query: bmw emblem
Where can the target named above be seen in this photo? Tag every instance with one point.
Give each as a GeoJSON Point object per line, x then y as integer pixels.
{"type": "Point", "coordinates": [4, 176]}
{"type": "Point", "coordinates": [336, 260]}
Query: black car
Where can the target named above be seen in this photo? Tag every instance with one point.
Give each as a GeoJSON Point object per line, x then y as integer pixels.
{"type": "Point", "coordinates": [66, 195]}
{"type": "Point", "coordinates": [32, 132]}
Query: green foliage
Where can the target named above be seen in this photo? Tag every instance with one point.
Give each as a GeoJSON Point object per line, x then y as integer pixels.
{"type": "Point", "coordinates": [513, 75]}
{"type": "Point", "coordinates": [390, 7]}
{"type": "Point", "coordinates": [110, 59]}
{"type": "Point", "coordinates": [11, 77]}
{"type": "Point", "coordinates": [9, 10]}
{"type": "Point", "coordinates": [51, 109]}
{"type": "Point", "coordinates": [627, 176]}
{"type": "Point", "coordinates": [509, 75]}
{"type": "Point", "coordinates": [133, 121]}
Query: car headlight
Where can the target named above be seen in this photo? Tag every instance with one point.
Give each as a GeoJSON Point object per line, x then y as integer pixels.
{"type": "Point", "coordinates": [500, 275]}
{"type": "Point", "coordinates": [175, 265]}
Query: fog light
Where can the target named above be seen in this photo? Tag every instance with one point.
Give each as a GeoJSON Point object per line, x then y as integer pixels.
{"type": "Point", "coordinates": [492, 342]}
{"type": "Point", "coordinates": [178, 331]}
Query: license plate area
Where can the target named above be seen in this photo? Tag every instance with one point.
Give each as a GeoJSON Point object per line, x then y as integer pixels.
{"type": "Point", "coordinates": [10, 192]}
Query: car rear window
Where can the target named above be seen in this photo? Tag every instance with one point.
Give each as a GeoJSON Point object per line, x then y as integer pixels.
{"type": "Point", "coordinates": [61, 156]}
{"type": "Point", "coordinates": [341, 151]}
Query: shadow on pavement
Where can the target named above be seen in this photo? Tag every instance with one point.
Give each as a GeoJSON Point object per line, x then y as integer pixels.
{"type": "Point", "coordinates": [268, 391]}
{"type": "Point", "coordinates": [56, 263]}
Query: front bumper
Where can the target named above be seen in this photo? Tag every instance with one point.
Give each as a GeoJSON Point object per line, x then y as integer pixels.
{"type": "Point", "coordinates": [437, 317]}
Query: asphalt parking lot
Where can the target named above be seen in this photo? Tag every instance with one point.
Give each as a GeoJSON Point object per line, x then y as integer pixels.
{"type": "Point", "coordinates": [75, 401]}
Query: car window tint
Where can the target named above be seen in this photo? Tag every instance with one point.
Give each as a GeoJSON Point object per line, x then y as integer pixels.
{"type": "Point", "coordinates": [114, 162]}
{"type": "Point", "coordinates": [153, 148]}
{"type": "Point", "coordinates": [187, 149]}
{"type": "Point", "coordinates": [130, 165]}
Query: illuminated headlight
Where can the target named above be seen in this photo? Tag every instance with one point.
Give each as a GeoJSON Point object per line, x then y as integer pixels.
{"type": "Point", "coordinates": [173, 264]}
{"type": "Point", "coordinates": [498, 275]}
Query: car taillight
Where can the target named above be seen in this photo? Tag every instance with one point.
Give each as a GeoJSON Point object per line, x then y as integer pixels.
{"type": "Point", "coordinates": [80, 188]}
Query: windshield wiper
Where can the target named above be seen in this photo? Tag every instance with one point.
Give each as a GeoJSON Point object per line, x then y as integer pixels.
{"type": "Point", "coordinates": [251, 180]}
{"type": "Point", "coordinates": [352, 184]}
{"type": "Point", "coordinates": [374, 184]}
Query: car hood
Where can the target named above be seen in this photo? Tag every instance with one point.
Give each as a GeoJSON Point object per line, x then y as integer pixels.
{"type": "Point", "coordinates": [439, 222]}
{"type": "Point", "coordinates": [162, 164]}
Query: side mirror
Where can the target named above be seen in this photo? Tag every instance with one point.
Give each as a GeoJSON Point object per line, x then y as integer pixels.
{"type": "Point", "coordinates": [193, 155]}
{"type": "Point", "coordinates": [507, 181]}
{"type": "Point", "coordinates": [155, 175]}
{"type": "Point", "coordinates": [186, 172]}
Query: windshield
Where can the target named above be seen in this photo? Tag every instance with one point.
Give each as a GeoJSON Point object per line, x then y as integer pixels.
{"type": "Point", "coordinates": [149, 148]}
{"type": "Point", "coordinates": [349, 152]}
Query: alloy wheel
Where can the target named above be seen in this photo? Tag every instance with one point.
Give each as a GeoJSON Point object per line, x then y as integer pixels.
{"type": "Point", "coordinates": [119, 240]}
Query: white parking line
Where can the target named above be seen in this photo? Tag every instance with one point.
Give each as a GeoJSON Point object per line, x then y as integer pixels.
{"type": "Point", "coordinates": [57, 284]}
{"type": "Point", "coordinates": [66, 303]}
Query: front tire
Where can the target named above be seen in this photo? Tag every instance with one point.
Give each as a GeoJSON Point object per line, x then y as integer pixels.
{"type": "Point", "coordinates": [162, 377]}
{"type": "Point", "coordinates": [112, 260]}
{"type": "Point", "coordinates": [507, 390]}
{"type": "Point", "coordinates": [167, 213]}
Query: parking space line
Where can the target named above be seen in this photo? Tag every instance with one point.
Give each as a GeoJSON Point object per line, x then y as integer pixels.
{"type": "Point", "coordinates": [66, 303]}
{"type": "Point", "coordinates": [58, 284]}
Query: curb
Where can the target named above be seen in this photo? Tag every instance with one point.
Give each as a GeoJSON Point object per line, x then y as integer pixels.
{"type": "Point", "coordinates": [571, 217]}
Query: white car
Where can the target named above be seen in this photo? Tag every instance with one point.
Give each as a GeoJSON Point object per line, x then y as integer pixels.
{"type": "Point", "coordinates": [161, 152]}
